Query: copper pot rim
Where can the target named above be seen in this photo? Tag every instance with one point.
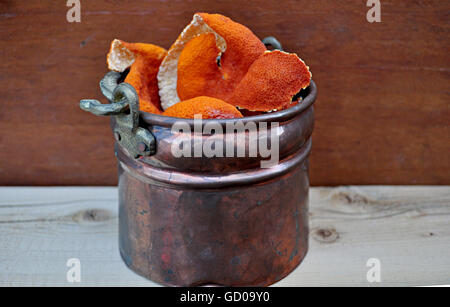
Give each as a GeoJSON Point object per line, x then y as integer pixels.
{"type": "Point", "coordinates": [279, 116]}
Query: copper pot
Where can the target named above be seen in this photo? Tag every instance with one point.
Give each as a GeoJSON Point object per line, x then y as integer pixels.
{"type": "Point", "coordinates": [195, 220]}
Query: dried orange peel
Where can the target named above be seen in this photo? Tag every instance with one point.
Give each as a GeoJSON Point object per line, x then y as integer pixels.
{"type": "Point", "coordinates": [271, 83]}
{"type": "Point", "coordinates": [197, 67]}
{"type": "Point", "coordinates": [213, 70]}
{"type": "Point", "coordinates": [144, 61]}
{"type": "Point", "coordinates": [207, 107]}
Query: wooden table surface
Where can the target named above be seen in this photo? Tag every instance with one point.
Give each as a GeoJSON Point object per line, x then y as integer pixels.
{"type": "Point", "coordinates": [407, 228]}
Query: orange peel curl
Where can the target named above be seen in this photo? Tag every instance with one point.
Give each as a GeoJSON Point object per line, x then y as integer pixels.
{"type": "Point", "coordinates": [215, 69]}
{"type": "Point", "coordinates": [271, 82]}
{"type": "Point", "coordinates": [207, 107]}
{"type": "Point", "coordinates": [144, 61]}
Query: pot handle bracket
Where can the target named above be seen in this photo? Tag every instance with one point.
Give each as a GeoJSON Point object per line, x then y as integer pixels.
{"type": "Point", "coordinates": [124, 105]}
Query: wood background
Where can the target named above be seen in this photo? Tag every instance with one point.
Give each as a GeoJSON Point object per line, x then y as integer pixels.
{"type": "Point", "coordinates": [382, 112]}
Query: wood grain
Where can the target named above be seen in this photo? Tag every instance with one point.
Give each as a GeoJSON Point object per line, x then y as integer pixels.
{"type": "Point", "coordinates": [382, 112]}
{"type": "Point", "coordinates": [406, 228]}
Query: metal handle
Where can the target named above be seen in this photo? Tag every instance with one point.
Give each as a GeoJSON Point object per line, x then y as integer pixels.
{"type": "Point", "coordinates": [124, 105]}
{"type": "Point", "coordinates": [272, 41]}
{"type": "Point", "coordinates": [97, 108]}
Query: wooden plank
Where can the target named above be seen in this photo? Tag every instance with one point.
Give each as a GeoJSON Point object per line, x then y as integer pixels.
{"type": "Point", "coordinates": [406, 228]}
{"type": "Point", "coordinates": [381, 114]}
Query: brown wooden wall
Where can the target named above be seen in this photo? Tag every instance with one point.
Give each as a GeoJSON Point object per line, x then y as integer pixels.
{"type": "Point", "coordinates": [382, 116]}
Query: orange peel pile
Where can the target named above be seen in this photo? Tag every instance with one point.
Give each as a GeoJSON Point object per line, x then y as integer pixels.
{"type": "Point", "coordinates": [144, 61]}
{"type": "Point", "coordinates": [216, 68]}
{"type": "Point", "coordinates": [207, 107]}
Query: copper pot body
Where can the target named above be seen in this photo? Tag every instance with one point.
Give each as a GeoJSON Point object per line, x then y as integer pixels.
{"type": "Point", "coordinates": [192, 221]}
